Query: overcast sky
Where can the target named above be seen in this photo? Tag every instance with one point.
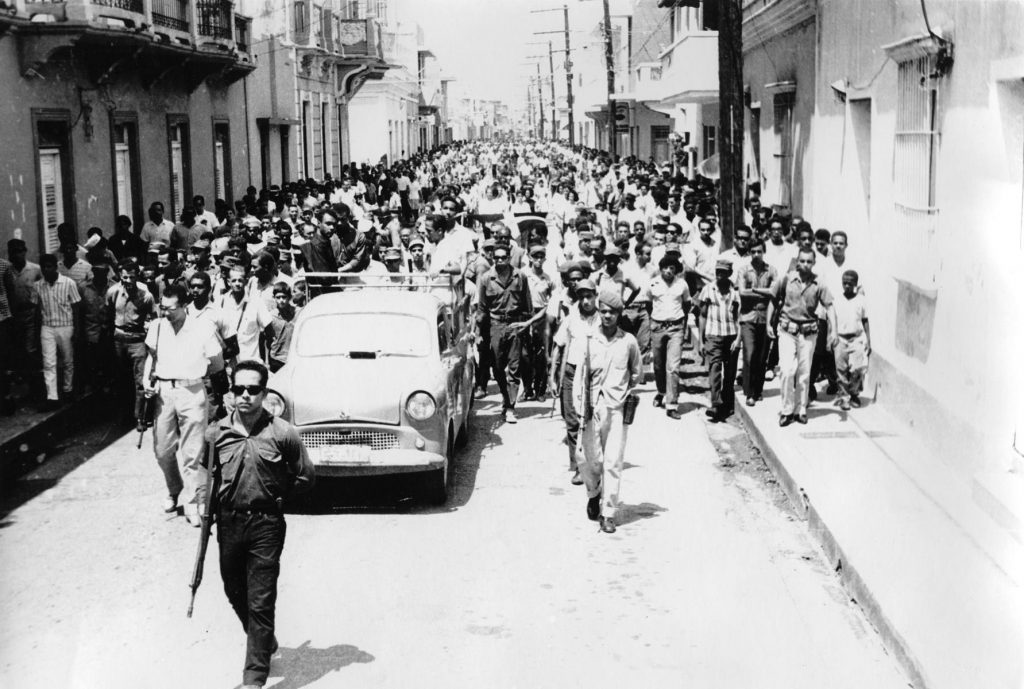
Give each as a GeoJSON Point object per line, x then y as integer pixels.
{"type": "Point", "coordinates": [483, 43]}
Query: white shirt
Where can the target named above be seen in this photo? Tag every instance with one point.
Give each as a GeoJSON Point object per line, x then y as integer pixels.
{"type": "Point", "coordinates": [184, 355]}
{"type": "Point", "coordinates": [157, 233]}
{"type": "Point", "coordinates": [209, 219]}
{"type": "Point", "coordinates": [573, 332]}
{"type": "Point", "coordinates": [669, 301]}
{"type": "Point", "coordinates": [453, 247]}
{"type": "Point", "coordinates": [249, 317]}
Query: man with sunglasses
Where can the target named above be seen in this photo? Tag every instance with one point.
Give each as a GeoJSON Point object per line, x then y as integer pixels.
{"type": "Point", "coordinates": [182, 352]}
{"type": "Point", "coordinates": [504, 306]}
{"type": "Point", "coordinates": [261, 462]}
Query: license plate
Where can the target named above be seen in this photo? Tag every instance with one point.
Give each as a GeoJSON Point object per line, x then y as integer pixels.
{"type": "Point", "coordinates": [345, 454]}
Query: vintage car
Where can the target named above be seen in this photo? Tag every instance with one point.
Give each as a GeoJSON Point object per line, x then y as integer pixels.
{"type": "Point", "coordinates": [380, 381]}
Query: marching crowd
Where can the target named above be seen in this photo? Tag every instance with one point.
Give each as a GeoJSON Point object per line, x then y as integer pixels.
{"type": "Point", "coordinates": [581, 272]}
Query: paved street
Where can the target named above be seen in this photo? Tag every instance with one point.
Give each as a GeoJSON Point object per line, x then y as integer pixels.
{"type": "Point", "coordinates": [709, 582]}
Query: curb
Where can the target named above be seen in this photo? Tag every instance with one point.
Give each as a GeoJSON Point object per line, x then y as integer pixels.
{"type": "Point", "coordinates": [860, 592]}
{"type": "Point", "coordinates": [29, 448]}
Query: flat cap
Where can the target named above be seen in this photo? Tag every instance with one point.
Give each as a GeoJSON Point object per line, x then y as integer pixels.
{"type": "Point", "coordinates": [586, 285]}
{"type": "Point", "coordinates": [610, 299]}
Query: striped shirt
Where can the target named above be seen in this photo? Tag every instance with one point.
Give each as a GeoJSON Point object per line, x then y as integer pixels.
{"type": "Point", "coordinates": [56, 301]}
{"type": "Point", "coordinates": [720, 310]}
{"type": "Point", "coordinates": [80, 271]}
{"type": "Point", "coordinates": [131, 312]}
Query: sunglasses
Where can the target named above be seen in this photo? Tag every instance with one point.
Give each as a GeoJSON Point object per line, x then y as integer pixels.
{"type": "Point", "coordinates": [253, 390]}
{"type": "Point", "coordinates": [500, 257]}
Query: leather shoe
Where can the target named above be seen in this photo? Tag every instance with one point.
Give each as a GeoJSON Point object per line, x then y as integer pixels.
{"type": "Point", "coordinates": [194, 520]}
{"type": "Point", "coordinates": [750, 401]}
{"type": "Point", "coordinates": [832, 388]}
{"type": "Point", "coordinates": [844, 405]}
{"type": "Point", "coordinates": [274, 646]}
{"type": "Point", "coordinates": [510, 416]}
{"type": "Point", "coordinates": [594, 508]}
{"type": "Point", "coordinates": [812, 393]}
{"type": "Point", "coordinates": [785, 419]}
{"type": "Point", "coordinates": [170, 504]}
{"type": "Point", "coordinates": [673, 414]}
{"type": "Point", "coordinates": [711, 412]}
{"type": "Point", "coordinates": [607, 525]}
{"type": "Point", "coordinates": [576, 479]}
{"type": "Point", "coordinates": [801, 418]}
{"type": "Point", "coordinates": [855, 401]}
{"type": "Point", "coordinates": [659, 400]}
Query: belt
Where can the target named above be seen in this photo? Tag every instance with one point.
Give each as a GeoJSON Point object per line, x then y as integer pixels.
{"type": "Point", "coordinates": [184, 382]}
{"type": "Point", "coordinates": [678, 321]}
{"type": "Point", "coordinates": [251, 511]}
{"type": "Point", "coordinates": [639, 305]}
{"type": "Point", "coordinates": [503, 319]}
{"type": "Point", "coordinates": [851, 337]}
{"type": "Point", "coordinates": [128, 335]}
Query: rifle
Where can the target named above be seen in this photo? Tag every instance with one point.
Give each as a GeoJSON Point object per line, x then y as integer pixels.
{"type": "Point", "coordinates": [142, 421]}
{"type": "Point", "coordinates": [206, 517]}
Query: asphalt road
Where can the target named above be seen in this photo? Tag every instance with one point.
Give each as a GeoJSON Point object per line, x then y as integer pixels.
{"type": "Point", "coordinates": [709, 582]}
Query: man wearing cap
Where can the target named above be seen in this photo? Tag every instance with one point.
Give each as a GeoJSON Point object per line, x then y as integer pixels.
{"type": "Point", "coordinates": [611, 278]}
{"type": "Point", "coordinates": [612, 361]}
{"type": "Point", "coordinates": [567, 355]}
{"type": "Point", "coordinates": [505, 304]}
{"type": "Point", "coordinates": [535, 338]}
{"type": "Point", "coordinates": [418, 262]}
{"type": "Point", "coordinates": [718, 333]}
{"type": "Point", "coordinates": [670, 308]}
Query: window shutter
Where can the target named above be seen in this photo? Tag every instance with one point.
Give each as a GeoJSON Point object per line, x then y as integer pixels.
{"type": "Point", "coordinates": [53, 195]}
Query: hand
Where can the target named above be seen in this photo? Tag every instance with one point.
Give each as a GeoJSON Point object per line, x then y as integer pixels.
{"type": "Point", "coordinates": [149, 388]}
{"type": "Point", "coordinates": [553, 386]}
{"type": "Point", "coordinates": [772, 334]}
{"type": "Point", "coordinates": [831, 342]}
{"type": "Point", "coordinates": [867, 349]}
{"type": "Point", "coordinates": [735, 345]}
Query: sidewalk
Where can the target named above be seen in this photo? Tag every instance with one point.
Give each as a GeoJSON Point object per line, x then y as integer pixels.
{"type": "Point", "coordinates": [27, 435]}
{"type": "Point", "coordinates": [935, 573]}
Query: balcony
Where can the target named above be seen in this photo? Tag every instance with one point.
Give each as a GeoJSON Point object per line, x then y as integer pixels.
{"type": "Point", "coordinates": [689, 71]}
{"type": "Point", "coordinates": [155, 37]}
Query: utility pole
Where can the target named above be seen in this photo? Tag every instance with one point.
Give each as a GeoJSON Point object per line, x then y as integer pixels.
{"type": "Point", "coordinates": [610, 67]}
{"type": "Point", "coordinates": [568, 76]}
{"type": "Point", "coordinates": [730, 117]}
{"type": "Point", "coordinates": [540, 103]}
{"type": "Point", "coordinates": [551, 73]}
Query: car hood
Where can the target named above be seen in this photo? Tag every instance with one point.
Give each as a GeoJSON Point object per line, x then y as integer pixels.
{"type": "Point", "coordinates": [332, 389]}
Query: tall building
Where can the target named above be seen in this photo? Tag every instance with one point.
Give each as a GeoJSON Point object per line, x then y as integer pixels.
{"type": "Point", "coordinates": [111, 105]}
{"type": "Point", "coordinates": [313, 57]}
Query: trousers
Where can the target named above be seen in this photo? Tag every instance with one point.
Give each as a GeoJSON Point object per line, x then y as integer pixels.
{"type": "Point", "coordinates": [506, 351]}
{"type": "Point", "coordinates": [604, 446]}
{"type": "Point", "coordinates": [851, 360]}
{"type": "Point", "coordinates": [569, 415]}
{"type": "Point", "coordinates": [178, 441]}
{"type": "Point", "coordinates": [637, 321]}
{"type": "Point", "coordinates": [795, 353]}
{"type": "Point", "coordinates": [755, 357]}
{"type": "Point", "coordinates": [56, 343]}
{"type": "Point", "coordinates": [722, 372]}
{"type": "Point", "coordinates": [483, 367]}
{"type": "Point", "coordinates": [131, 363]}
{"type": "Point", "coordinates": [535, 356]}
{"type": "Point", "coordinates": [250, 562]}
{"type": "Point", "coordinates": [667, 343]}
{"type": "Point", "coordinates": [822, 363]}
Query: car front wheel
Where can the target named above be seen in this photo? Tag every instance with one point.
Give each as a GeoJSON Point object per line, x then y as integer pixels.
{"type": "Point", "coordinates": [440, 483]}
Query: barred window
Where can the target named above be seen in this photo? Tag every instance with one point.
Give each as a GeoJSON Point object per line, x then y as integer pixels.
{"type": "Point", "coordinates": [917, 135]}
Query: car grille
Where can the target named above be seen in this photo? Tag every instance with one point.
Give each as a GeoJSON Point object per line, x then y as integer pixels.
{"type": "Point", "coordinates": [376, 440]}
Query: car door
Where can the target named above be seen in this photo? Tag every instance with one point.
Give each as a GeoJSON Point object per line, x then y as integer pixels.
{"type": "Point", "coordinates": [451, 367]}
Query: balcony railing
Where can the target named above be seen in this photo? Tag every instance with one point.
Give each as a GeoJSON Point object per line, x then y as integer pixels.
{"type": "Point", "coordinates": [126, 5]}
{"type": "Point", "coordinates": [171, 14]}
{"type": "Point", "coordinates": [242, 30]}
{"type": "Point", "coordinates": [215, 18]}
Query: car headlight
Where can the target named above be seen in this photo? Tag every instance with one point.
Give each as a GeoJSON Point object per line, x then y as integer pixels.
{"type": "Point", "coordinates": [420, 406]}
{"type": "Point", "coordinates": [274, 403]}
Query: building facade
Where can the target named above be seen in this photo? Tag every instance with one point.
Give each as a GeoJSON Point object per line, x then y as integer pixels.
{"type": "Point", "coordinates": [111, 106]}
{"type": "Point", "coordinates": [313, 58]}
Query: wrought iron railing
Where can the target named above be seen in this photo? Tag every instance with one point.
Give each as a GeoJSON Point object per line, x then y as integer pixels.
{"type": "Point", "coordinates": [242, 25]}
{"type": "Point", "coordinates": [215, 17]}
{"type": "Point", "coordinates": [171, 14]}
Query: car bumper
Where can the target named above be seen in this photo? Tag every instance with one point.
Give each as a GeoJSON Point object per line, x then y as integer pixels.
{"type": "Point", "coordinates": [370, 450]}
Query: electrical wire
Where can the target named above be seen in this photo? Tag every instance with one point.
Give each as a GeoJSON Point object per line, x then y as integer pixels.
{"type": "Point", "coordinates": [924, 12]}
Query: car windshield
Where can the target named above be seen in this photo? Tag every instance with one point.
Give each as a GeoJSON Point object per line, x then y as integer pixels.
{"type": "Point", "coordinates": [384, 334]}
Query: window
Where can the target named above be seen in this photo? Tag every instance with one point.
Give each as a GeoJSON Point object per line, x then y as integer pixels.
{"type": "Point", "coordinates": [181, 166]}
{"type": "Point", "coordinates": [300, 21]}
{"type": "Point", "coordinates": [753, 172]}
{"type": "Point", "coordinates": [917, 136]}
{"type": "Point", "coordinates": [442, 334]}
{"type": "Point", "coordinates": [710, 147]}
{"type": "Point", "coordinates": [55, 185]}
{"type": "Point", "coordinates": [306, 124]}
{"type": "Point", "coordinates": [222, 161]}
{"type": "Point", "coordinates": [783, 156]}
{"type": "Point", "coordinates": [125, 144]}
{"type": "Point", "coordinates": [325, 137]}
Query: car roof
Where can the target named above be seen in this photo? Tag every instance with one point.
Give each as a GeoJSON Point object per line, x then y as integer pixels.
{"type": "Point", "coordinates": [419, 304]}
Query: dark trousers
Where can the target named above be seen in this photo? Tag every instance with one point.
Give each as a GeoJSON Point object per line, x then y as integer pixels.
{"type": "Point", "coordinates": [535, 358]}
{"type": "Point", "coordinates": [483, 367]}
{"type": "Point", "coordinates": [823, 362]}
{"type": "Point", "coordinates": [131, 362]}
{"type": "Point", "coordinates": [755, 357]}
{"type": "Point", "coordinates": [6, 347]}
{"type": "Point", "coordinates": [569, 415]}
{"type": "Point", "coordinates": [250, 561]}
{"type": "Point", "coordinates": [637, 321]}
{"type": "Point", "coordinates": [506, 349]}
{"type": "Point", "coordinates": [722, 372]}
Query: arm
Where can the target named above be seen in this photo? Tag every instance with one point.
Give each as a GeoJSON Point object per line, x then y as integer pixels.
{"type": "Point", "coordinates": [867, 335]}
{"type": "Point", "coordinates": [833, 336]}
{"type": "Point", "coordinates": [634, 290]}
{"type": "Point", "coordinates": [294, 454]}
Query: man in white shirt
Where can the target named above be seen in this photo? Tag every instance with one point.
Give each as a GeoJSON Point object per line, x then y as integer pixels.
{"type": "Point", "coordinates": [204, 216]}
{"type": "Point", "coordinates": [670, 309]}
{"type": "Point", "coordinates": [248, 313]}
{"type": "Point", "coordinates": [157, 229]}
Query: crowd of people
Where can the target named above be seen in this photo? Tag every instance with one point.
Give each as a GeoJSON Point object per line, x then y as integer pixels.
{"type": "Point", "coordinates": [582, 272]}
